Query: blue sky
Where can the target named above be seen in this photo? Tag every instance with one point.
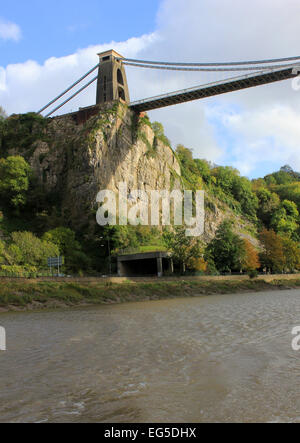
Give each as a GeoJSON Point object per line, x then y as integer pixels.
{"type": "Point", "coordinates": [60, 27]}
{"type": "Point", "coordinates": [46, 46]}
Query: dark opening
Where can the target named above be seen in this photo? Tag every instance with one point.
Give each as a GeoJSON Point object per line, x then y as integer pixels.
{"type": "Point", "coordinates": [166, 264]}
{"type": "Point", "coordinates": [135, 268]}
{"type": "Point", "coordinates": [122, 94]}
{"type": "Point", "coordinates": [120, 77]}
{"type": "Point", "coordinates": [105, 59]}
{"type": "Point", "coordinates": [143, 267]}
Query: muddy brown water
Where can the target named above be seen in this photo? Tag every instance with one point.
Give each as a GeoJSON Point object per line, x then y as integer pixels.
{"type": "Point", "coordinates": [210, 359]}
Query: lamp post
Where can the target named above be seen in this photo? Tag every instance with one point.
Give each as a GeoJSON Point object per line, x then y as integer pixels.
{"type": "Point", "coordinates": [109, 253]}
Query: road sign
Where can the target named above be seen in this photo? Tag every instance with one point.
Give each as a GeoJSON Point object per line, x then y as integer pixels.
{"type": "Point", "coordinates": [54, 261]}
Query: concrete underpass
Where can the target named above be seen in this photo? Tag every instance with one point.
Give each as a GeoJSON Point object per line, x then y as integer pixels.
{"type": "Point", "coordinates": [145, 264]}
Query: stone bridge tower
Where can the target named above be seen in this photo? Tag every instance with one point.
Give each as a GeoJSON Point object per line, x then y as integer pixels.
{"type": "Point", "coordinates": [112, 82]}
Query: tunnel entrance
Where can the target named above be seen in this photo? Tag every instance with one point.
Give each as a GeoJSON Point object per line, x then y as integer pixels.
{"type": "Point", "coordinates": [153, 264]}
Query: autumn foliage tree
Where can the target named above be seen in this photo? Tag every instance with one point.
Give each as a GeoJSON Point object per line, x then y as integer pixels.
{"type": "Point", "coordinates": [272, 257]}
{"type": "Point", "coordinates": [251, 259]}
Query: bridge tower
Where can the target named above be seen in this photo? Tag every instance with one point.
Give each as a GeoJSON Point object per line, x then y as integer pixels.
{"type": "Point", "coordinates": [112, 82]}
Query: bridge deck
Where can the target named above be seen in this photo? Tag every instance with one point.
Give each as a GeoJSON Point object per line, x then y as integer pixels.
{"type": "Point", "coordinates": [212, 89]}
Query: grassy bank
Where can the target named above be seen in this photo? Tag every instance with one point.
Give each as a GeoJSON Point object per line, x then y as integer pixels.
{"type": "Point", "coordinates": [42, 295]}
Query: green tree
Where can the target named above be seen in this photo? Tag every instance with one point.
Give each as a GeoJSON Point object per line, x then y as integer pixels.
{"type": "Point", "coordinates": [159, 133]}
{"type": "Point", "coordinates": [289, 192]}
{"type": "Point", "coordinates": [226, 177]}
{"type": "Point", "coordinates": [28, 250]}
{"type": "Point", "coordinates": [2, 252]}
{"type": "Point", "coordinates": [14, 180]}
{"type": "Point", "coordinates": [204, 170]}
{"type": "Point", "coordinates": [184, 249]}
{"type": "Point", "coordinates": [2, 113]}
{"type": "Point", "coordinates": [242, 192]}
{"type": "Point", "coordinates": [291, 251]}
{"type": "Point", "coordinates": [65, 239]}
{"type": "Point", "coordinates": [285, 219]}
{"type": "Point", "coordinates": [268, 203]}
{"type": "Point", "coordinates": [189, 169]}
{"type": "Point", "coordinates": [121, 237]}
{"type": "Point", "coordinates": [227, 249]}
{"type": "Point", "coordinates": [284, 176]}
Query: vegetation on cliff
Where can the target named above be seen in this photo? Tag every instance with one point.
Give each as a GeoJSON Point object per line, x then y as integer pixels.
{"type": "Point", "coordinates": [267, 208]}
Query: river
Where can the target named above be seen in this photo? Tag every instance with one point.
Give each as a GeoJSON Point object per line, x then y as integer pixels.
{"type": "Point", "coordinates": [221, 358]}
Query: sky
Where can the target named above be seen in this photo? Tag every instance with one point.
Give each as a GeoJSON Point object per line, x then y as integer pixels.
{"type": "Point", "coordinates": [46, 46]}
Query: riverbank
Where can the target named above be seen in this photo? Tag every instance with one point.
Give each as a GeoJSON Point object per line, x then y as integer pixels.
{"type": "Point", "coordinates": [38, 295]}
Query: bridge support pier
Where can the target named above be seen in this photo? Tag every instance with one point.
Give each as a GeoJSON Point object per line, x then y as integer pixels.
{"type": "Point", "coordinates": [112, 82]}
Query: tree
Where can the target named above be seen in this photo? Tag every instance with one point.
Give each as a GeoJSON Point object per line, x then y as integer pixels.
{"type": "Point", "coordinates": [2, 249]}
{"type": "Point", "coordinates": [189, 169]}
{"type": "Point", "coordinates": [184, 249]}
{"type": "Point", "coordinates": [185, 154]}
{"type": "Point", "coordinates": [64, 238]}
{"type": "Point", "coordinates": [69, 247]}
{"type": "Point", "coordinates": [225, 177]}
{"type": "Point", "coordinates": [14, 180]}
{"type": "Point", "coordinates": [198, 265]}
{"type": "Point", "coordinates": [251, 259]}
{"type": "Point", "coordinates": [291, 250]}
{"type": "Point", "coordinates": [204, 170]}
{"type": "Point", "coordinates": [272, 257]}
{"type": "Point", "coordinates": [258, 183]}
{"type": "Point", "coordinates": [229, 181]}
{"type": "Point", "coordinates": [268, 202]}
{"type": "Point", "coordinates": [282, 177]}
{"type": "Point", "coordinates": [28, 250]}
{"type": "Point", "coordinates": [285, 218]}
{"type": "Point", "coordinates": [227, 249]}
{"type": "Point", "coordinates": [2, 113]}
{"type": "Point", "coordinates": [159, 133]}
{"type": "Point", "coordinates": [242, 192]}
{"type": "Point", "coordinates": [121, 237]}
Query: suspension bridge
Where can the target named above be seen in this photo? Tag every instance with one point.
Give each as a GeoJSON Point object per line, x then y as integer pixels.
{"type": "Point", "coordinates": [112, 81]}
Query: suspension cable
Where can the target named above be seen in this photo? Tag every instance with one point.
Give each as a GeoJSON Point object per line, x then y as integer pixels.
{"type": "Point", "coordinates": [72, 96]}
{"type": "Point", "coordinates": [253, 62]}
{"type": "Point", "coordinates": [174, 68]}
{"type": "Point", "coordinates": [69, 89]}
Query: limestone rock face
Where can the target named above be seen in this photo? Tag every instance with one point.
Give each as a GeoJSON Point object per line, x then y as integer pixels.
{"type": "Point", "coordinates": [75, 157]}
{"type": "Point", "coordinates": [114, 146]}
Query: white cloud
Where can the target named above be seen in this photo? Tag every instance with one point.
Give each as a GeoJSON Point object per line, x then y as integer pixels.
{"type": "Point", "coordinates": [2, 79]}
{"type": "Point", "coordinates": [270, 134]}
{"type": "Point", "coordinates": [228, 30]}
{"type": "Point", "coordinates": [28, 86]}
{"type": "Point", "coordinates": [9, 31]}
{"type": "Point", "coordinates": [187, 124]}
{"type": "Point", "coordinates": [265, 119]}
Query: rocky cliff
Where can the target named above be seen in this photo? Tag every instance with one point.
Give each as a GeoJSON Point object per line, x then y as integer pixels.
{"type": "Point", "coordinates": [80, 159]}
{"type": "Point", "coordinates": [75, 156]}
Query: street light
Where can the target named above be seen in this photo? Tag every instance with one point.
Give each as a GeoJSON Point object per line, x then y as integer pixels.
{"type": "Point", "coordinates": [109, 254]}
